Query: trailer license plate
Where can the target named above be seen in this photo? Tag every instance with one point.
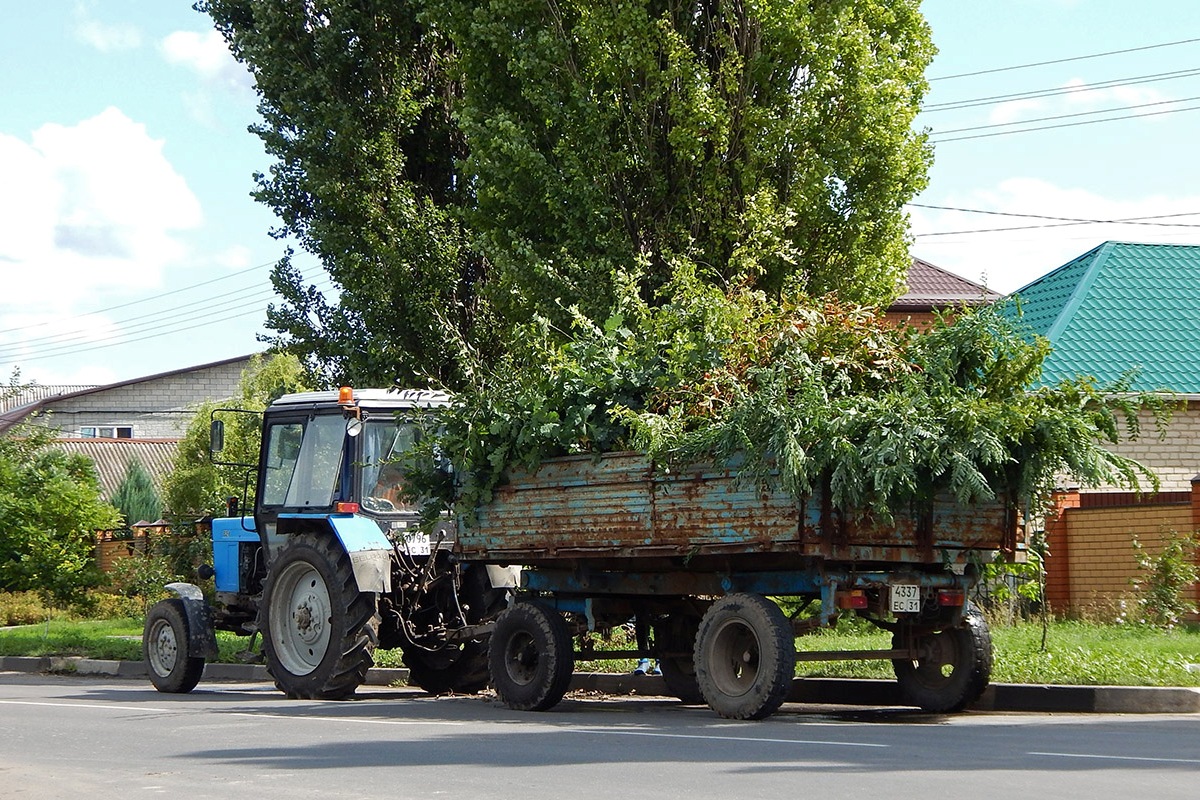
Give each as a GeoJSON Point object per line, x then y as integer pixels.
{"type": "Point", "coordinates": [906, 598]}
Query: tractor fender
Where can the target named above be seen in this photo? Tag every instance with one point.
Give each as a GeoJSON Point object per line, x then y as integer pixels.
{"type": "Point", "coordinates": [202, 640]}
{"type": "Point", "coordinates": [369, 550]}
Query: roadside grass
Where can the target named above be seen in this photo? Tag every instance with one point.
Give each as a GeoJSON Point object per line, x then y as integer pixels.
{"type": "Point", "coordinates": [1080, 653]}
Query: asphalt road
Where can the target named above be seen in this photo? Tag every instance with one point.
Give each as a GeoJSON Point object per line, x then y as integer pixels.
{"type": "Point", "coordinates": [66, 737]}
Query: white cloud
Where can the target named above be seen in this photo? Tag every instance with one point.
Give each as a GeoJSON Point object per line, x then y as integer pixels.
{"type": "Point", "coordinates": [1010, 259]}
{"type": "Point", "coordinates": [235, 257]}
{"type": "Point", "coordinates": [1014, 110]}
{"type": "Point", "coordinates": [207, 55]}
{"type": "Point", "coordinates": [107, 37]}
{"type": "Point", "coordinates": [87, 209]}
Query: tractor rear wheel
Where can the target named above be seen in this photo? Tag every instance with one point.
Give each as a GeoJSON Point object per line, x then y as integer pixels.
{"type": "Point", "coordinates": [320, 631]}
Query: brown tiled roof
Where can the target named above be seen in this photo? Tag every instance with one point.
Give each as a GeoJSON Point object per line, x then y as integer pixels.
{"type": "Point", "coordinates": [930, 287]}
{"type": "Point", "coordinates": [112, 457]}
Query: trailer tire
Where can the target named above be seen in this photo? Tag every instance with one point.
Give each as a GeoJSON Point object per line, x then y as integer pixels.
{"type": "Point", "coordinates": [677, 633]}
{"type": "Point", "coordinates": [956, 672]}
{"type": "Point", "coordinates": [319, 630]}
{"type": "Point", "coordinates": [165, 649]}
{"type": "Point", "coordinates": [530, 657]}
{"type": "Point", "coordinates": [745, 657]}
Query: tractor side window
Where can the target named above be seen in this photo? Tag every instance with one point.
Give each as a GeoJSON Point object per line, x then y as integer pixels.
{"type": "Point", "coordinates": [320, 463]}
{"type": "Point", "coordinates": [382, 476]}
{"type": "Point", "coordinates": [304, 462]}
{"type": "Point", "coordinates": [283, 449]}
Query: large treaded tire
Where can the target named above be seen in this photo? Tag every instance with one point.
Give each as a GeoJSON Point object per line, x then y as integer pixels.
{"type": "Point", "coordinates": [677, 633]}
{"type": "Point", "coordinates": [530, 657]}
{"type": "Point", "coordinates": [956, 672]}
{"type": "Point", "coordinates": [165, 649]}
{"type": "Point", "coordinates": [745, 657]}
{"type": "Point", "coordinates": [319, 630]}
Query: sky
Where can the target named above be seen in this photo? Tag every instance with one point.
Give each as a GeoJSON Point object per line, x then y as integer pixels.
{"type": "Point", "coordinates": [130, 245]}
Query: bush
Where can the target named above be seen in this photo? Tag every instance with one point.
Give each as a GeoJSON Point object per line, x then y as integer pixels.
{"type": "Point", "coordinates": [1165, 578]}
{"type": "Point", "coordinates": [26, 608]}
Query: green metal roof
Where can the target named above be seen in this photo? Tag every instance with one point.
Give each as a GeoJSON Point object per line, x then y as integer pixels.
{"type": "Point", "coordinates": [1120, 306]}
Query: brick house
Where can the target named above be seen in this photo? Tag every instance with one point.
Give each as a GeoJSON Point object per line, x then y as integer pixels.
{"type": "Point", "coordinates": [140, 418]}
{"type": "Point", "coordinates": [1117, 307]}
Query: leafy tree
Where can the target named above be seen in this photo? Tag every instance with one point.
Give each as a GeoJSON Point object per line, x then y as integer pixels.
{"type": "Point", "coordinates": [135, 497]}
{"type": "Point", "coordinates": [196, 486]}
{"type": "Point", "coordinates": [354, 99]}
{"type": "Point", "coordinates": [50, 507]}
{"type": "Point", "coordinates": [458, 165]}
{"type": "Point", "coordinates": [766, 141]}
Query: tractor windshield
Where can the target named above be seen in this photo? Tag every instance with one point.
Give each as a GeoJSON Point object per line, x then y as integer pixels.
{"type": "Point", "coordinates": [382, 479]}
{"type": "Point", "coordinates": [303, 462]}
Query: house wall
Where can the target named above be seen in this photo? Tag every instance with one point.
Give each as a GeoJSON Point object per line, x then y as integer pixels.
{"type": "Point", "coordinates": [1175, 458]}
{"type": "Point", "coordinates": [1092, 560]}
{"type": "Point", "coordinates": [158, 407]}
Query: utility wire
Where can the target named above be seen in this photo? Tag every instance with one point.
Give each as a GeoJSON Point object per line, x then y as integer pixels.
{"type": "Point", "coordinates": [1044, 216]}
{"type": "Point", "coordinates": [1062, 60]}
{"type": "Point", "coordinates": [1069, 116]}
{"type": "Point", "coordinates": [1033, 94]}
{"type": "Point", "coordinates": [154, 297]}
{"type": "Point", "coordinates": [1058, 222]}
{"type": "Point", "coordinates": [255, 304]}
{"type": "Point", "coordinates": [262, 292]}
{"type": "Point", "coordinates": [1061, 125]}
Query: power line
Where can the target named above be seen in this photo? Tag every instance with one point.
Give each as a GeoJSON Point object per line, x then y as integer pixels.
{"type": "Point", "coordinates": [1035, 94]}
{"type": "Point", "coordinates": [1063, 125]}
{"type": "Point", "coordinates": [19, 349]}
{"type": "Point", "coordinates": [261, 292]}
{"type": "Point", "coordinates": [154, 297]}
{"type": "Point", "coordinates": [1062, 60]}
{"type": "Point", "coordinates": [1057, 222]}
{"type": "Point", "coordinates": [1069, 116]}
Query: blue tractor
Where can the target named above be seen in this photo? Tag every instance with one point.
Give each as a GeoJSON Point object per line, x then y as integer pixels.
{"type": "Point", "coordinates": [332, 564]}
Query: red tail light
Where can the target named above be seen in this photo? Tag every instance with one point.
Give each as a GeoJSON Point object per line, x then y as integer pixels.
{"type": "Point", "coordinates": [345, 508]}
{"type": "Point", "coordinates": [951, 597]}
{"type": "Point", "coordinates": [855, 598]}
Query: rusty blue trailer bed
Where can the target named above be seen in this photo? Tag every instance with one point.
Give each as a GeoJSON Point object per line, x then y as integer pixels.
{"type": "Point", "coordinates": [621, 511]}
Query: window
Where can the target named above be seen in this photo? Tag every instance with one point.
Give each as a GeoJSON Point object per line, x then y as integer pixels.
{"type": "Point", "coordinates": [106, 432]}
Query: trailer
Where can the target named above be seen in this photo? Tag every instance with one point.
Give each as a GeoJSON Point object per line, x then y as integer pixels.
{"type": "Point", "coordinates": [704, 564]}
{"type": "Point", "coordinates": [716, 575]}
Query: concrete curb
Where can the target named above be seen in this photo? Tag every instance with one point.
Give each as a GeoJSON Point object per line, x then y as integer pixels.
{"type": "Point", "coordinates": [824, 691]}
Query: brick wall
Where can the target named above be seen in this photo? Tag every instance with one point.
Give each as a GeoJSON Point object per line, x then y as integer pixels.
{"type": "Point", "coordinates": [1092, 561]}
{"type": "Point", "coordinates": [1174, 458]}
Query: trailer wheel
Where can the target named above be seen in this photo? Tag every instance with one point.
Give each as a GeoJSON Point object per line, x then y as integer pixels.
{"type": "Point", "coordinates": [165, 649]}
{"type": "Point", "coordinates": [530, 657]}
{"type": "Point", "coordinates": [745, 657]}
{"type": "Point", "coordinates": [677, 633]}
{"type": "Point", "coordinates": [320, 631]}
{"type": "Point", "coordinates": [955, 670]}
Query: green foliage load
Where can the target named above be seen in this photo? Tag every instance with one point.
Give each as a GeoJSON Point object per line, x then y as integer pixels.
{"type": "Point", "coordinates": [50, 507]}
{"type": "Point", "coordinates": [806, 392]}
{"type": "Point", "coordinates": [195, 486]}
{"type": "Point", "coordinates": [458, 166]}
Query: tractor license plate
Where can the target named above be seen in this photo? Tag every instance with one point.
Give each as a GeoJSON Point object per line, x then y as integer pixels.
{"type": "Point", "coordinates": [906, 598]}
{"type": "Point", "coordinates": [416, 543]}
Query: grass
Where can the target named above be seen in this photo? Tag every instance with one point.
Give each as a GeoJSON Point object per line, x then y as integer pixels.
{"type": "Point", "coordinates": [1076, 653]}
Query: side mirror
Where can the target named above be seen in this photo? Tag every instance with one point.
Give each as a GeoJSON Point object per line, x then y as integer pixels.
{"type": "Point", "coordinates": [216, 436]}
{"type": "Point", "coordinates": [354, 427]}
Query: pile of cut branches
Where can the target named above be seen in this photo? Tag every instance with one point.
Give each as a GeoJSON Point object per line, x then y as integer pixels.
{"type": "Point", "coordinates": [804, 391]}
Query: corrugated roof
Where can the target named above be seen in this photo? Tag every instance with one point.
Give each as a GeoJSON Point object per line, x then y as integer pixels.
{"type": "Point", "coordinates": [112, 457]}
{"type": "Point", "coordinates": [34, 394]}
{"type": "Point", "coordinates": [1119, 306]}
{"type": "Point", "coordinates": [928, 287]}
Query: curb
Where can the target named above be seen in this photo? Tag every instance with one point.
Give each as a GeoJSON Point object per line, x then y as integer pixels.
{"type": "Point", "coordinates": [821, 691]}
